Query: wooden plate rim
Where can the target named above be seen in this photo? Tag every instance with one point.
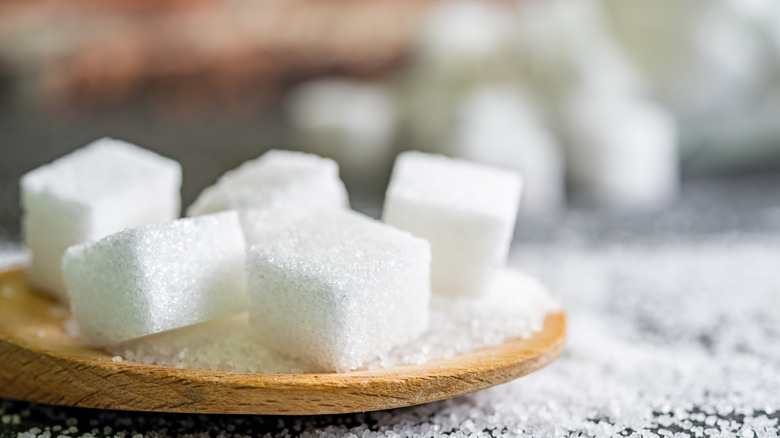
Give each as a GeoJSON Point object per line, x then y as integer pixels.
{"type": "Point", "coordinates": [28, 372]}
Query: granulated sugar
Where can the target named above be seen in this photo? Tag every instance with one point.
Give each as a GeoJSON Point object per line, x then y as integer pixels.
{"type": "Point", "coordinates": [515, 307]}
{"type": "Point", "coordinates": [227, 344]}
{"type": "Point", "coordinates": [677, 340]}
{"type": "Point", "coordinates": [673, 339]}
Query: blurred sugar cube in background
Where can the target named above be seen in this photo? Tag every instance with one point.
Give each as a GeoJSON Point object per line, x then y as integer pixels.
{"type": "Point", "coordinates": [351, 121]}
{"type": "Point", "coordinates": [621, 152]}
{"type": "Point", "coordinates": [599, 104]}
{"type": "Point", "coordinates": [500, 127]}
{"type": "Point", "coordinates": [647, 134]}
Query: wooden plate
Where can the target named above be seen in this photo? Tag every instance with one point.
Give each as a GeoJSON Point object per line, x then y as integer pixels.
{"type": "Point", "coordinates": [39, 363]}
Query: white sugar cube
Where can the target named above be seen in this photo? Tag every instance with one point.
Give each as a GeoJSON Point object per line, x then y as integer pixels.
{"type": "Point", "coordinates": [95, 191]}
{"type": "Point", "coordinates": [351, 121]}
{"type": "Point", "coordinates": [462, 31]}
{"type": "Point", "coordinates": [260, 225]}
{"type": "Point", "coordinates": [339, 290]}
{"type": "Point", "coordinates": [466, 211]}
{"type": "Point", "coordinates": [622, 151]}
{"type": "Point", "coordinates": [500, 127]}
{"type": "Point", "coordinates": [157, 277]}
{"type": "Point", "coordinates": [278, 179]}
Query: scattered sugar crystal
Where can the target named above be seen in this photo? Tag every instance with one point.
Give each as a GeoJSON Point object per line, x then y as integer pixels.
{"type": "Point", "coordinates": [277, 180]}
{"type": "Point", "coordinates": [95, 191]}
{"type": "Point", "coordinates": [157, 277]}
{"type": "Point", "coordinates": [339, 289]}
{"type": "Point", "coordinates": [679, 329]}
{"type": "Point", "coordinates": [116, 359]}
{"type": "Point", "coordinates": [516, 307]}
{"type": "Point", "coordinates": [466, 211]}
{"type": "Point", "coordinates": [226, 344]}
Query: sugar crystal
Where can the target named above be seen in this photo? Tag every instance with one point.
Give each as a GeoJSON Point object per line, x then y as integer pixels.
{"type": "Point", "coordinates": [515, 308]}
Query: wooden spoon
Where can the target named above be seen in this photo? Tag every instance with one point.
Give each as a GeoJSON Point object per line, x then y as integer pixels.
{"type": "Point", "coordinates": [39, 363]}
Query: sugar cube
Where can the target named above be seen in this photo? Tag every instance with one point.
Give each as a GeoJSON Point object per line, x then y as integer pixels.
{"type": "Point", "coordinates": [278, 179]}
{"type": "Point", "coordinates": [262, 224]}
{"type": "Point", "coordinates": [622, 151]}
{"type": "Point", "coordinates": [351, 121]}
{"type": "Point", "coordinates": [500, 127]}
{"type": "Point", "coordinates": [91, 193]}
{"type": "Point", "coordinates": [466, 211]}
{"type": "Point", "coordinates": [463, 32]}
{"type": "Point", "coordinates": [339, 290]}
{"type": "Point", "coordinates": [157, 277]}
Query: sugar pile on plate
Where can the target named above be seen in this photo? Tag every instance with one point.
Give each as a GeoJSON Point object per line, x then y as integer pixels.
{"type": "Point", "coordinates": [326, 289]}
{"type": "Point", "coordinates": [659, 322]}
{"type": "Point", "coordinates": [516, 307]}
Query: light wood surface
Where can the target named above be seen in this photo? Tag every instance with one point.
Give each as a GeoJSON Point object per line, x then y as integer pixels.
{"type": "Point", "coordinates": [39, 363]}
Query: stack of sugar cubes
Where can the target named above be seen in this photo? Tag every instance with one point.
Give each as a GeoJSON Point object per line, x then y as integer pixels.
{"type": "Point", "coordinates": [323, 284]}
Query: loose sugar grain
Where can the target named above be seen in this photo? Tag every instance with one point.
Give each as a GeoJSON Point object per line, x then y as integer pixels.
{"type": "Point", "coordinates": [515, 307]}
{"type": "Point", "coordinates": [672, 352]}
{"type": "Point", "coordinates": [671, 339]}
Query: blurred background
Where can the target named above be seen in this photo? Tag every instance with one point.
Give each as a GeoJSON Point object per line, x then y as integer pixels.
{"type": "Point", "coordinates": [666, 111]}
{"type": "Point", "coordinates": [648, 133]}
